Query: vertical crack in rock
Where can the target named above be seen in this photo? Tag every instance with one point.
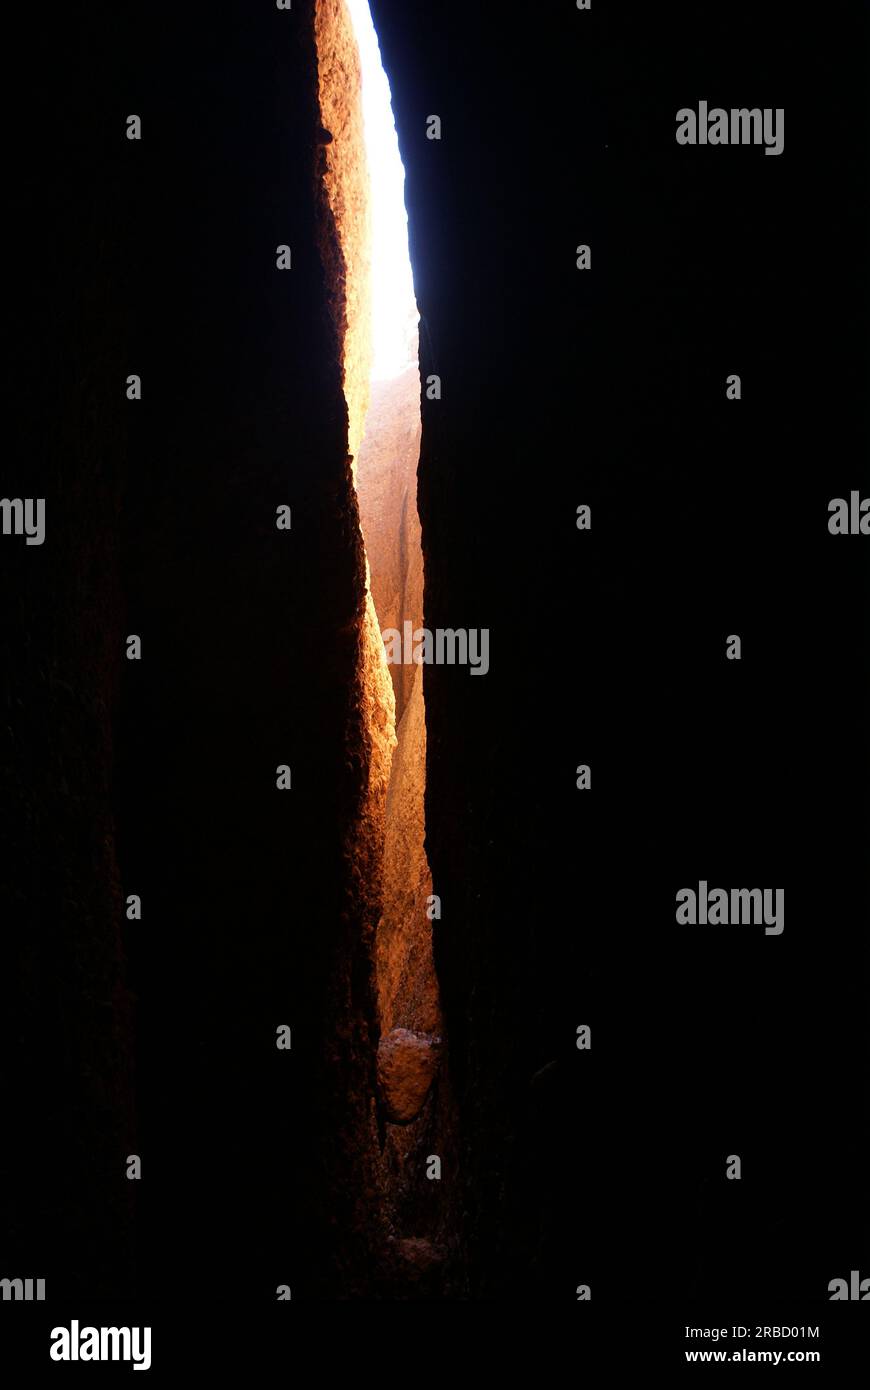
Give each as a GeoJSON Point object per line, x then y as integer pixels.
{"type": "Point", "coordinates": [346, 248]}
{"type": "Point", "coordinates": [356, 1178]}
{"type": "Point", "coordinates": [390, 870]}
{"type": "Point", "coordinates": [407, 988]}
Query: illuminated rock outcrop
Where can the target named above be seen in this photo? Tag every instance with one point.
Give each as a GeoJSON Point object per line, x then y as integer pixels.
{"type": "Point", "coordinates": [407, 1063]}
{"type": "Point", "coordinates": [387, 487]}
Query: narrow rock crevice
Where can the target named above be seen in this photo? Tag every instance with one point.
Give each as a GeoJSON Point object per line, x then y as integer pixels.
{"type": "Point", "coordinates": [409, 1103]}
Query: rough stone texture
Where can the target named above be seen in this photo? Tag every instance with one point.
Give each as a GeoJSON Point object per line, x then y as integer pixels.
{"type": "Point", "coordinates": [386, 483]}
{"type": "Point", "coordinates": [419, 1257]}
{"type": "Point", "coordinates": [345, 237]}
{"type": "Point", "coordinates": [390, 871]}
{"type": "Point", "coordinates": [345, 172]}
{"type": "Point", "coordinates": [257, 656]}
{"type": "Point", "coordinates": [407, 986]}
{"type": "Point", "coordinates": [387, 487]}
{"type": "Point", "coordinates": [259, 907]}
{"type": "Point", "coordinates": [407, 1063]}
{"type": "Point", "coordinates": [414, 1125]}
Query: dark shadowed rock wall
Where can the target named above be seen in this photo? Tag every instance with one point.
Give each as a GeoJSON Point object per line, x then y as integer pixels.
{"type": "Point", "coordinates": [607, 388]}
{"type": "Point", "coordinates": [66, 1096]}
{"type": "Point", "coordinates": [159, 778]}
{"type": "Point", "coordinates": [261, 900]}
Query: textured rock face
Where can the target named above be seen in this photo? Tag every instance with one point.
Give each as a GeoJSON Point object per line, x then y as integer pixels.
{"type": "Point", "coordinates": [406, 981]}
{"type": "Point", "coordinates": [387, 488]}
{"type": "Point", "coordinates": [407, 1063]}
{"type": "Point", "coordinates": [345, 237]}
{"type": "Point", "coordinates": [157, 778]}
{"type": "Point", "coordinates": [345, 174]}
{"type": "Point", "coordinates": [511, 400]}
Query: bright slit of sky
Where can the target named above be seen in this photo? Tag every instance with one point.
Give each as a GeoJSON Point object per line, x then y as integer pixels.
{"type": "Point", "coordinates": [394, 309]}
